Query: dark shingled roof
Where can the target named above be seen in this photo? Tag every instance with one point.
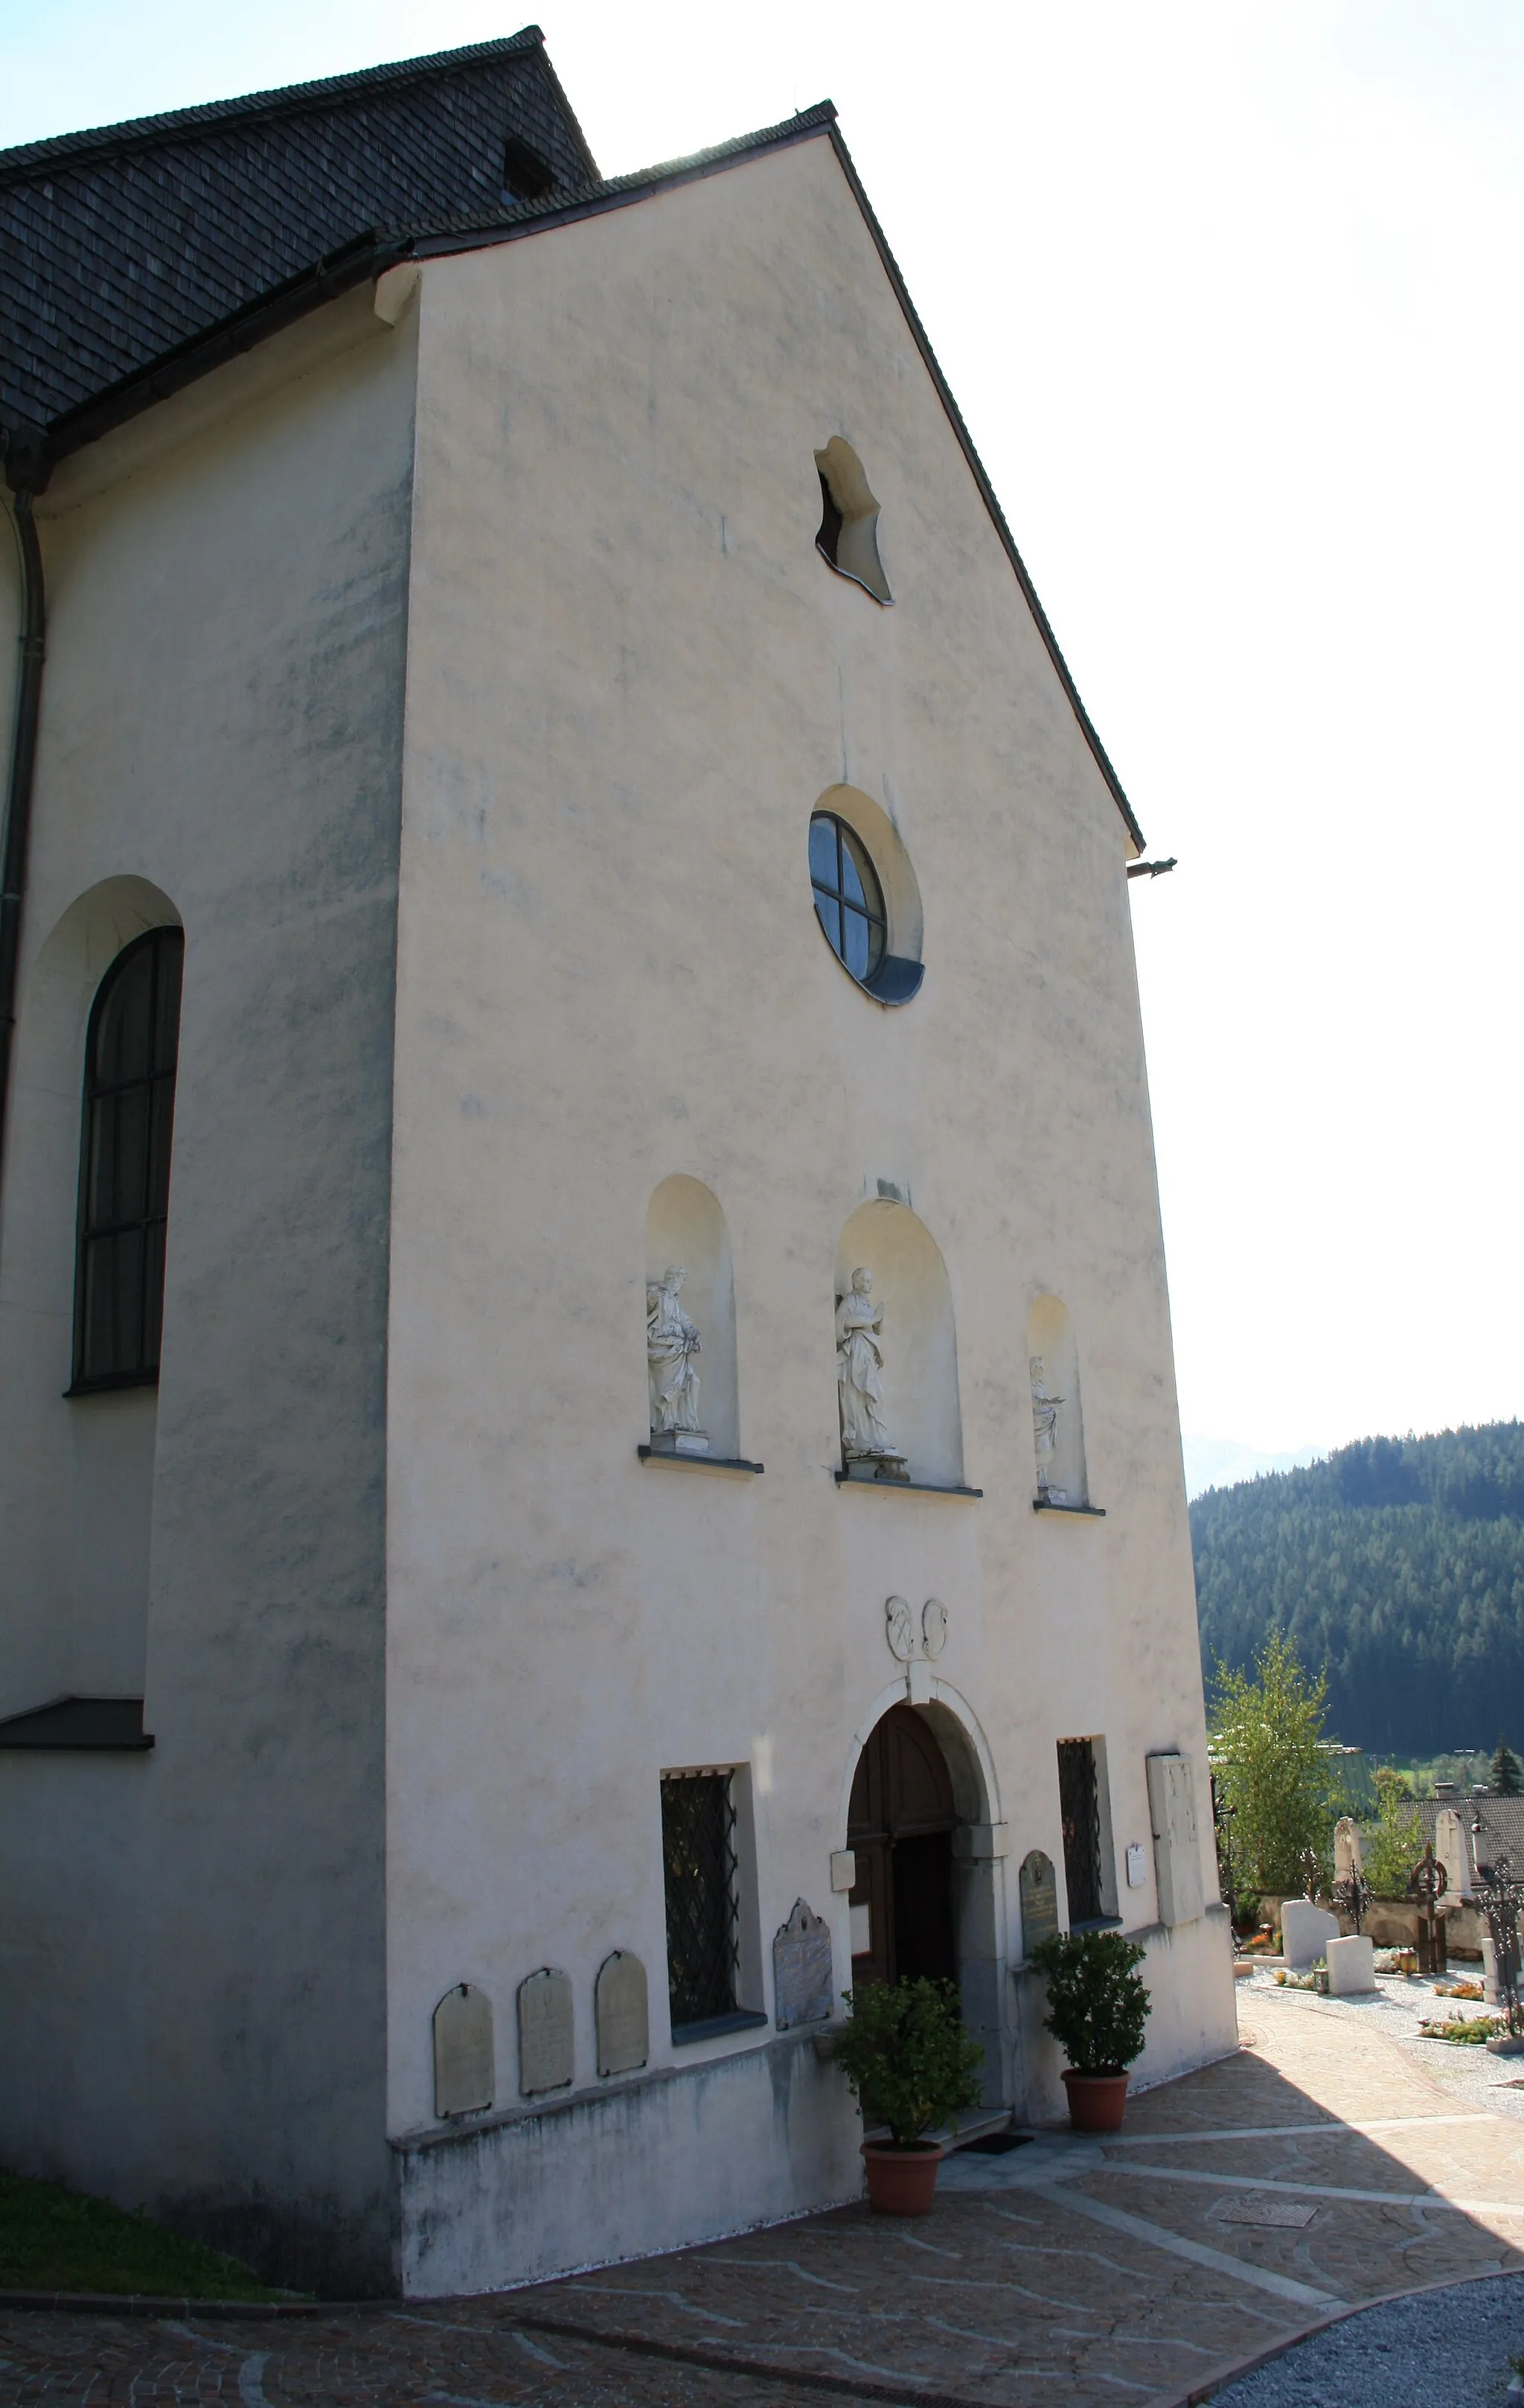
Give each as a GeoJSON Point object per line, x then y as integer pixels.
{"type": "Point", "coordinates": [135, 258]}
{"type": "Point", "coordinates": [120, 246]}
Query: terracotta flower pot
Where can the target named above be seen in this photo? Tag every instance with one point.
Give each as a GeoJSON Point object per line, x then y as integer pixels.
{"type": "Point", "coordinates": [1096, 2100]}
{"type": "Point", "coordinates": [901, 2182]}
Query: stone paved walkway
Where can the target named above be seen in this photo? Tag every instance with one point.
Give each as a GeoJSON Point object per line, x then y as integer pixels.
{"type": "Point", "coordinates": [1320, 2167]}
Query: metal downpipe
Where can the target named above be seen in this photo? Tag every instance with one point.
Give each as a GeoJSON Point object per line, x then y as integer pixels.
{"type": "Point", "coordinates": [23, 753]}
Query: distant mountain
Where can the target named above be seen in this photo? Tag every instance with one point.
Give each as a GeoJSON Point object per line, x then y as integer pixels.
{"type": "Point", "coordinates": [1397, 1562]}
{"type": "Point", "coordinates": [1219, 1462]}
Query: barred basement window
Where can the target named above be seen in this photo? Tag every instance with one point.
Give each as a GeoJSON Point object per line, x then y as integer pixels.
{"type": "Point", "coordinates": [698, 1855]}
{"type": "Point", "coordinates": [130, 1056]}
{"type": "Point", "coordinates": [1079, 1808]}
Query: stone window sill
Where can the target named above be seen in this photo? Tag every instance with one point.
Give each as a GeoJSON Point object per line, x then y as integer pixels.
{"type": "Point", "coordinates": [92, 1725]}
{"type": "Point", "coordinates": [906, 1487]}
{"type": "Point", "coordinates": [1047, 1505]}
{"type": "Point", "coordinates": [697, 1462]}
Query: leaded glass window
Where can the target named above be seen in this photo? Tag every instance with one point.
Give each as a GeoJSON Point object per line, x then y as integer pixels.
{"type": "Point", "coordinates": [1079, 1808]}
{"type": "Point", "coordinates": [698, 1853]}
{"type": "Point", "coordinates": [130, 1056]}
{"type": "Point", "coordinates": [848, 898]}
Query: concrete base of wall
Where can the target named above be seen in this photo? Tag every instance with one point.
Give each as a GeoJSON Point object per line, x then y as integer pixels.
{"type": "Point", "coordinates": [684, 2154]}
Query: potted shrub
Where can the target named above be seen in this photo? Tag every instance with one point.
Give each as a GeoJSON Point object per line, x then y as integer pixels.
{"type": "Point", "coordinates": [913, 2067]}
{"type": "Point", "coordinates": [1097, 2006]}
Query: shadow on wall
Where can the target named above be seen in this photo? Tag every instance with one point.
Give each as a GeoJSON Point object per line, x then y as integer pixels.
{"type": "Point", "coordinates": [1058, 1426]}
{"type": "Point", "coordinates": [685, 1229]}
{"type": "Point", "coordinates": [920, 1376]}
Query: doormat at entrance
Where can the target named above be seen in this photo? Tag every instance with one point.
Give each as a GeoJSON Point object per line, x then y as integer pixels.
{"type": "Point", "coordinates": [1280, 2214]}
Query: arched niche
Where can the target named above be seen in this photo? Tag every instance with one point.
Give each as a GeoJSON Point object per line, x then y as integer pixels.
{"type": "Point", "coordinates": [920, 1378]}
{"type": "Point", "coordinates": [1058, 1426]}
{"type": "Point", "coordinates": [685, 1229]}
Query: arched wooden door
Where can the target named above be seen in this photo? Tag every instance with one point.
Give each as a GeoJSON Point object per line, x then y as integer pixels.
{"type": "Point", "coordinates": [900, 1826]}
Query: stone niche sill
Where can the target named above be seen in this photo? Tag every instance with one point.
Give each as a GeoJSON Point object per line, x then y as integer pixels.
{"type": "Point", "coordinates": [82, 1726]}
{"type": "Point", "coordinates": [905, 1487]}
{"type": "Point", "coordinates": [1089, 1512]}
{"type": "Point", "coordinates": [697, 1462]}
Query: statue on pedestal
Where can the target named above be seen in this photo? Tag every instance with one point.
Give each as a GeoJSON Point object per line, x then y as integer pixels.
{"type": "Point", "coordinates": [671, 1341]}
{"type": "Point", "coordinates": [1045, 1424]}
{"type": "Point", "coordinates": [865, 1441]}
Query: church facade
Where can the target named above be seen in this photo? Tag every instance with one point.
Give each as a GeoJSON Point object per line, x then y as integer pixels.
{"type": "Point", "coordinates": [590, 1451]}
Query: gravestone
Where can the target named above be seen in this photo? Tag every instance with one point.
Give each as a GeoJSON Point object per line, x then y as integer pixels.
{"type": "Point", "coordinates": [462, 2052]}
{"type": "Point", "coordinates": [1039, 1900]}
{"type": "Point", "coordinates": [1351, 1967]}
{"type": "Point", "coordinates": [802, 1985]}
{"type": "Point", "coordinates": [620, 2010]}
{"type": "Point", "coordinates": [1305, 1932]}
{"type": "Point", "coordinates": [1177, 1850]}
{"type": "Point", "coordinates": [545, 2032]}
{"type": "Point", "coordinates": [1451, 1848]}
{"type": "Point", "coordinates": [1347, 1857]}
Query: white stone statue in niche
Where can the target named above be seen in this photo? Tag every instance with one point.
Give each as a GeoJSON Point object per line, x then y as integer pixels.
{"type": "Point", "coordinates": [1044, 1424]}
{"type": "Point", "coordinates": [671, 1341]}
{"type": "Point", "coordinates": [868, 1452]}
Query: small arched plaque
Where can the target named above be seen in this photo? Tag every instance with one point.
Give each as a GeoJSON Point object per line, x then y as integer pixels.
{"type": "Point", "coordinates": [621, 2013]}
{"type": "Point", "coordinates": [1039, 1900]}
{"type": "Point", "coordinates": [802, 1969]}
{"type": "Point", "coordinates": [463, 2051]}
{"type": "Point", "coordinates": [545, 2032]}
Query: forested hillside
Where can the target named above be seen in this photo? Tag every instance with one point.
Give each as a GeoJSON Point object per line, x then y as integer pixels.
{"type": "Point", "coordinates": [1398, 1563]}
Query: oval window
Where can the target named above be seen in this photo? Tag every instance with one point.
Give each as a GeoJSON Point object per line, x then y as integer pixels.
{"type": "Point", "coordinates": [849, 899]}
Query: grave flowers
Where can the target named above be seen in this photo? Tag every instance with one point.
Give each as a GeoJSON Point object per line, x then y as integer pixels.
{"type": "Point", "coordinates": [913, 2067]}
{"type": "Point", "coordinates": [1097, 2006]}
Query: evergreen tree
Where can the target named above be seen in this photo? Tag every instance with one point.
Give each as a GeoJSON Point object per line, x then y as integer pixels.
{"type": "Point", "coordinates": [1398, 1565]}
{"type": "Point", "coordinates": [1507, 1779]}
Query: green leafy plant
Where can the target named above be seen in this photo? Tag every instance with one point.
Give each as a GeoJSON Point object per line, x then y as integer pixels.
{"type": "Point", "coordinates": [1506, 1776]}
{"type": "Point", "coordinates": [907, 2056]}
{"type": "Point", "coordinates": [1097, 2002]}
{"type": "Point", "coordinates": [1467, 2031]}
{"type": "Point", "coordinates": [1393, 1847]}
{"type": "Point", "coordinates": [1274, 1774]}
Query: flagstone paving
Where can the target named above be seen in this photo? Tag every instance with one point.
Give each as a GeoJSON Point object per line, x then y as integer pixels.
{"type": "Point", "coordinates": [1321, 2166]}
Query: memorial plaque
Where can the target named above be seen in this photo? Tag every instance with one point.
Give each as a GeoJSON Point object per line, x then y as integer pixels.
{"type": "Point", "coordinates": [802, 1969]}
{"type": "Point", "coordinates": [620, 2009]}
{"type": "Point", "coordinates": [545, 2032]}
{"type": "Point", "coordinates": [1039, 1900]}
{"type": "Point", "coordinates": [462, 2052]}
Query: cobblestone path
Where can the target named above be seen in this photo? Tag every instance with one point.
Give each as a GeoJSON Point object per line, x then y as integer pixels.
{"type": "Point", "coordinates": [1319, 2167]}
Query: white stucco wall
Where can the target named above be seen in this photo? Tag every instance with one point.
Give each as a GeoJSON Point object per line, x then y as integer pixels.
{"type": "Point", "coordinates": [192, 2012]}
{"type": "Point", "coordinates": [629, 677]}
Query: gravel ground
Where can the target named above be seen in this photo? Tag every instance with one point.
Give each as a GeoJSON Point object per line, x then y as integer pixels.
{"type": "Point", "coordinates": [1449, 2349]}
{"type": "Point", "coordinates": [1474, 2076]}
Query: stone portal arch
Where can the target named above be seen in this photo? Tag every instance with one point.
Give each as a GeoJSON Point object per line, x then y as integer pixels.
{"type": "Point", "coordinates": [920, 1811]}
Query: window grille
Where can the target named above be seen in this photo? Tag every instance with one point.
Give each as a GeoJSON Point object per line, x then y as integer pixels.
{"type": "Point", "coordinates": [130, 1057]}
{"type": "Point", "coordinates": [1079, 1808]}
{"type": "Point", "coordinates": [848, 898]}
{"type": "Point", "coordinates": [698, 1850]}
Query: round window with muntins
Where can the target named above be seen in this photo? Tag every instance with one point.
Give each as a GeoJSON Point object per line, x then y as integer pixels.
{"type": "Point", "coordinates": [849, 899]}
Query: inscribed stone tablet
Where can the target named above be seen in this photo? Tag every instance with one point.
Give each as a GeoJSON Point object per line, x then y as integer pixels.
{"type": "Point", "coordinates": [462, 2052]}
{"type": "Point", "coordinates": [545, 2032]}
{"type": "Point", "coordinates": [802, 1969]}
{"type": "Point", "coordinates": [619, 2008]}
{"type": "Point", "coordinates": [1039, 1900]}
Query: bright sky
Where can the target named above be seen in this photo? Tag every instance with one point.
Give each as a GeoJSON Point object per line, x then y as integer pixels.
{"type": "Point", "coordinates": [1230, 296]}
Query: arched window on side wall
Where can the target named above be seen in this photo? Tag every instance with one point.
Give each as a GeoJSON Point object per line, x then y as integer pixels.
{"type": "Point", "coordinates": [130, 1056]}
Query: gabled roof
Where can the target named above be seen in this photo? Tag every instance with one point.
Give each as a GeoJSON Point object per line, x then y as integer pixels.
{"type": "Point", "coordinates": [136, 258]}
{"type": "Point", "coordinates": [117, 247]}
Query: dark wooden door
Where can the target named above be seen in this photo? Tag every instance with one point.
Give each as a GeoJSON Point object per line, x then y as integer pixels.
{"type": "Point", "coordinates": [900, 1826]}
